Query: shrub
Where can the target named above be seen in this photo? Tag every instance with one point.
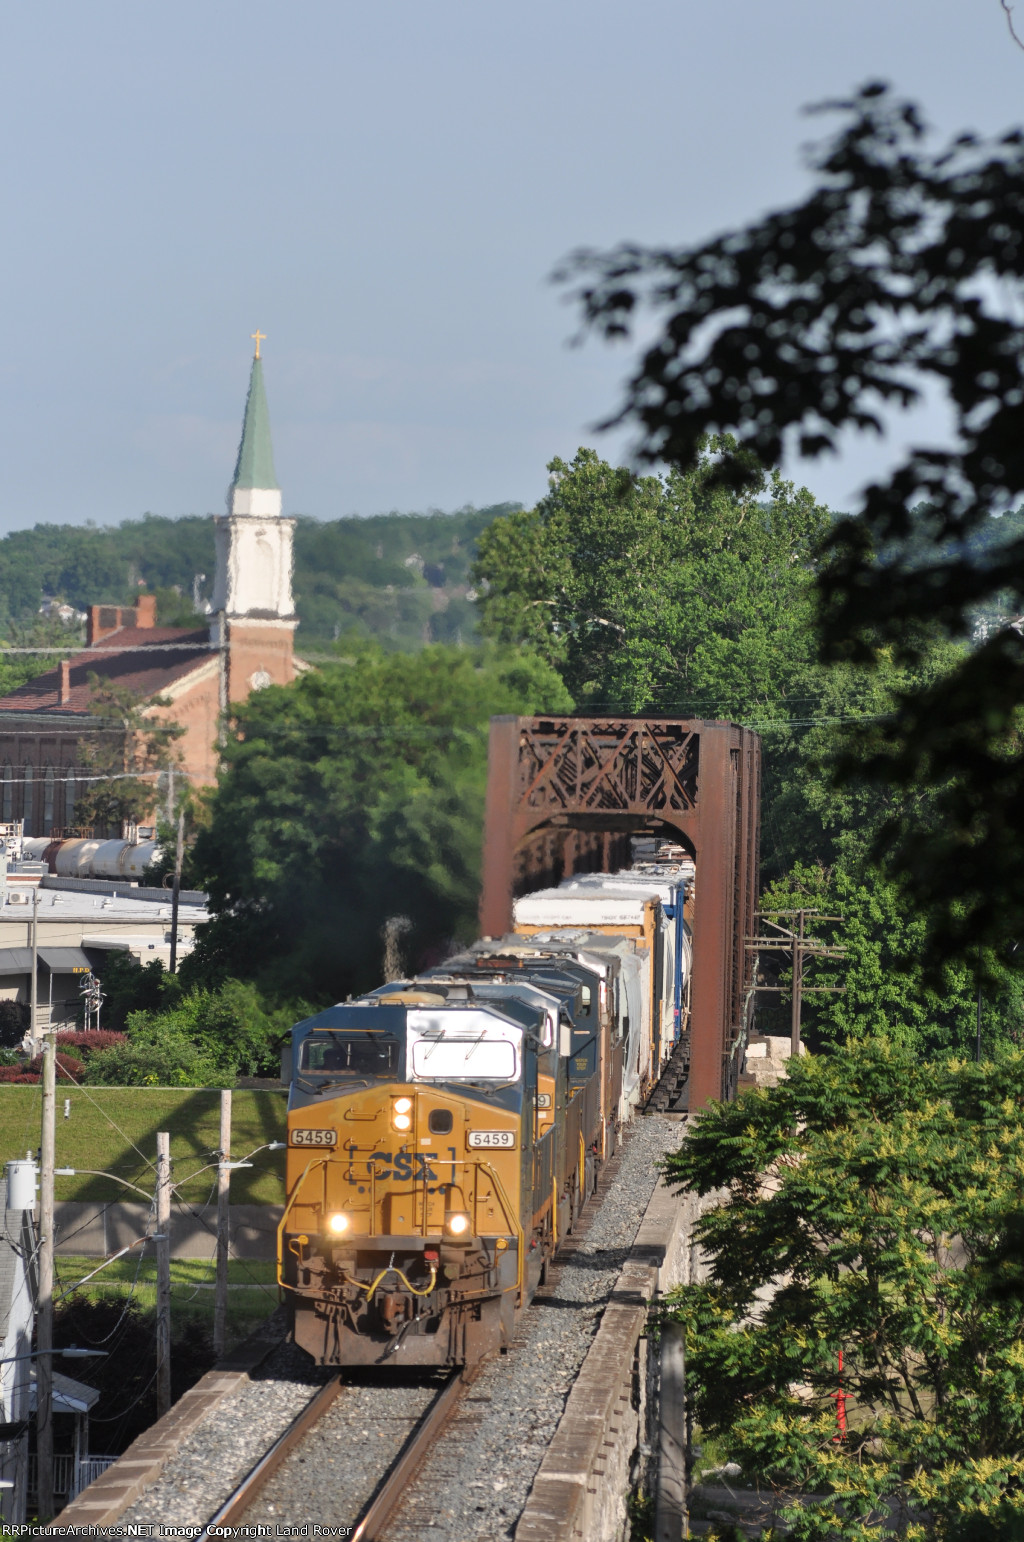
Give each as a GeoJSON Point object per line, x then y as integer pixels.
{"type": "Point", "coordinates": [68, 1068]}
{"type": "Point", "coordinates": [13, 1023]}
{"type": "Point", "coordinates": [88, 1043]}
{"type": "Point", "coordinates": [133, 987]}
{"type": "Point", "coordinates": [231, 1027]}
{"type": "Point", "coordinates": [15, 1074]}
{"type": "Point", "coordinates": [156, 1055]}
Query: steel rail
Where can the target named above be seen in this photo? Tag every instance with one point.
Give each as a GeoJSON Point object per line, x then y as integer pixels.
{"type": "Point", "coordinates": [392, 1491]}
{"type": "Point", "coordinates": [238, 1502]}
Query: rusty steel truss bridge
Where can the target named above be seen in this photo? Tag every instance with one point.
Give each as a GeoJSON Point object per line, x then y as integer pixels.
{"type": "Point", "coordinates": [566, 794]}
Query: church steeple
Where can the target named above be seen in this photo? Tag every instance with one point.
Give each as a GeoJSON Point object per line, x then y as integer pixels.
{"type": "Point", "coordinates": [253, 587]}
{"type": "Point", "coordinates": [254, 488]}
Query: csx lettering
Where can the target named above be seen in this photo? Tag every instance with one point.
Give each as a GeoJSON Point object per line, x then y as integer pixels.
{"type": "Point", "coordinates": [399, 1166]}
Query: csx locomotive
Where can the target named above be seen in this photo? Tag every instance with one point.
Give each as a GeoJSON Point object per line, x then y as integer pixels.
{"type": "Point", "coordinates": [444, 1132]}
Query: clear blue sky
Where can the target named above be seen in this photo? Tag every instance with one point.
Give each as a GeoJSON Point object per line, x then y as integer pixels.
{"type": "Point", "coordinates": [384, 189]}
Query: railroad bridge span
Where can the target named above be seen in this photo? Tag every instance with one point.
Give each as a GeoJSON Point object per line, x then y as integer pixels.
{"type": "Point", "coordinates": [566, 794]}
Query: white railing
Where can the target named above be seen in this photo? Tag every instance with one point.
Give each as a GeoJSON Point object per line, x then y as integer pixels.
{"type": "Point", "coordinates": [70, 1477]}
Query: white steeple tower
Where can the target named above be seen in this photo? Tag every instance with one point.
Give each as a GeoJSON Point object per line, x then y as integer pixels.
{"type": "Point", "coordinates": [253, 587]}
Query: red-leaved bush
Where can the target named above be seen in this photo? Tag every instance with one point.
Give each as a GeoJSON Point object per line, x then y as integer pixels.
{"type": "Point", "coordinates": [68, 1068]}
{"type": "Point", "coordinates": [17, 1073]}
{"type": "Point", "coordinates": [88, 1043]}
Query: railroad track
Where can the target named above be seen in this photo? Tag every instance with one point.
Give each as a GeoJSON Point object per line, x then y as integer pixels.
{"type": "Point", "coordinates": [257, 1485]}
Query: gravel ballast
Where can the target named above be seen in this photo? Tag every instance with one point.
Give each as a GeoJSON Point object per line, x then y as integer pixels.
{"type": "Point", "coordinates": [475, 1482]}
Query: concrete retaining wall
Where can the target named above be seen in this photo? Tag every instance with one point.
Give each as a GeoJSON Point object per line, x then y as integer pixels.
{"type": "Point", "coordinates": [581, 1488]}
{"type": "Point", "coordinates": [97, 1230]}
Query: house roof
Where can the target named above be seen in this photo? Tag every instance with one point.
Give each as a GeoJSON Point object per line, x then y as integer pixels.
{"type": "Point", "coordinates": [255, 465]}
{"type": "Point", "coordinates": [132, 657]}
{"type": "Point", "coordinates": [69, 1395]}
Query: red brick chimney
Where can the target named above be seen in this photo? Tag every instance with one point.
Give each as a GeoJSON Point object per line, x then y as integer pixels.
{"type": "Point", "coordinates": [64, 693]}
{"type": "Point", "coordinates": [145, 610]}
{"type": "Point", "coordinates": [103, 619]}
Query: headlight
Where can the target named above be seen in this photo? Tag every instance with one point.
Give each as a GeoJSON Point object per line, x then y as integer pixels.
{"type": "Point", "coordinates": [339, 1223]}
{"type": "Point", "coordinates": [402, 1121]}
{"type": "Point", "coordinates": [403, 1105]}
{"type": "Point", "coordinates": [457, 1222]}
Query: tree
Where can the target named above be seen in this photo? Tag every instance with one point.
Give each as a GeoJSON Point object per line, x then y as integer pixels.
{"type": "Point", "coordinates": [353, 795]}
{"type": "Point", "coordinates": [156, 1053]}
{"type": "Point", "coordinates": [670, 593]}
{"type": "Point", "coordinates": [123, 756]}
{"type": "Point", "coordinates": [865, 1211]}
{"type": "Point", "coordinates": [881, 988]}
{"type": "Point", "coordinates": [902, 271]}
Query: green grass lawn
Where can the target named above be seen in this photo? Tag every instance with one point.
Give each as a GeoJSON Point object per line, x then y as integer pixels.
{"type": "Point", "coordinates": [252, 1288]}
{"type": "Point", "coordinates": [114, 1129]}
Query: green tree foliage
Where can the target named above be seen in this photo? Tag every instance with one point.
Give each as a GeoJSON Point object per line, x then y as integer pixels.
{"type": "Point", "coordinates": [354, 795]}
{"type": "Point", "coordinates": [865, 1208]}
{"type": "Point", "coordinates": [660, 592]}
{"type": "Point", "coordinates": [399, 577]}
{"type": "Point", "coordinates": [882, 988]}
{"type": "Point", "coordinates": [199, 1039]}
{"type": "Point", "coordinates": [130, 986]}
{"type": "Point", "coordinates": [157, 1053]}
{"type": "Point", "coordinates": [902, 271]}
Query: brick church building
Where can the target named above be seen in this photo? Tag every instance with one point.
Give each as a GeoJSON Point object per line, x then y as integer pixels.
{"type": "Point", "coordinates": [248, 644]}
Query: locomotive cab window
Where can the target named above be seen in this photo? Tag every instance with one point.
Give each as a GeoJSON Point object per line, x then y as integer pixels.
{"type": "Point", "coordinates": [452, 1059]}
{"type": "Point", "coordinates": [348, 1054]}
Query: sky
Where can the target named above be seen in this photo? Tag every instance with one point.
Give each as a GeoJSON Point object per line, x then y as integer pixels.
{"type": "Point", "coordinates": [384, 191]}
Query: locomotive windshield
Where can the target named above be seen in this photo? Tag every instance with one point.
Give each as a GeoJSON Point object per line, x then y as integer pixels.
{"type": "Point", "coordinates": [452, 1059]}
{"type": "Point", "coordinates": [349, 1054]}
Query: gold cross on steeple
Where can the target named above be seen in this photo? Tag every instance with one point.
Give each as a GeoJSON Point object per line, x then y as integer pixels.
{"type": "Point", "coordinates": [258, 337]}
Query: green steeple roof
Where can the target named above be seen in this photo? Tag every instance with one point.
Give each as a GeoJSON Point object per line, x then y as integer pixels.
{"type": "Point", "coordinates": [255, 466]}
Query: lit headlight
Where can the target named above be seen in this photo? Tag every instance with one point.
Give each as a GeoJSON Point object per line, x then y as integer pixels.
{"type": "Point", "coordinates": [457, 1222]}
{"type": "Point", "coordinates": [401, 1114]}
{"type": "Point", "coordinates": [402, 1121]}
{"type": "Point", "coordinates": [338, 1223]}
{"type": "Point", "coordinates": [403, 1105]}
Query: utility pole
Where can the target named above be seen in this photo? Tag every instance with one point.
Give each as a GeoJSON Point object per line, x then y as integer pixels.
{"type": "Point", "coordinates": [798, 987]}
{"type": "Point", "coordinates": [795, 940]}
{"type": "Point", "coordinates": [44, 1305]}
{"type": "Point", "coordinates": [163, 1273]}
{"type": "Point", "coordinates": [220, 1307]}
{"type": "Point", "coordinates": [33, 1026]}
{"type": "Point", "coordinates": [178, 854]}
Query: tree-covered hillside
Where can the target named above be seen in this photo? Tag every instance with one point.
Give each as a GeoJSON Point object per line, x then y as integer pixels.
{"type": "Point", "coordinates": [401, 578]}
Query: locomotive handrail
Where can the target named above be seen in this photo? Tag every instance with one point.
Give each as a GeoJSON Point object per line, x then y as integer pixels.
{"type": "Point", "coordinates": [512, 1220]}
{"type": "Point", "coordinates": [282, 1284]}
{"type": "Point", "coordinates": [516, 1227]}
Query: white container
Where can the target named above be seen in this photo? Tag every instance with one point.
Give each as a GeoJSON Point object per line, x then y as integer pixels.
{"type": "Point", "coordinates": [21, 1185]}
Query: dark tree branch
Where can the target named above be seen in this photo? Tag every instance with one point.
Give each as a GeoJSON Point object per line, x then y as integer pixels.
{"type": "Point", "coordinates": [1009, 22]}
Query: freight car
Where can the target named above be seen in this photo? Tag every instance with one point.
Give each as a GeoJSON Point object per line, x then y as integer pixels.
{"type": "Point", "coordinates": [445, 1132]}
